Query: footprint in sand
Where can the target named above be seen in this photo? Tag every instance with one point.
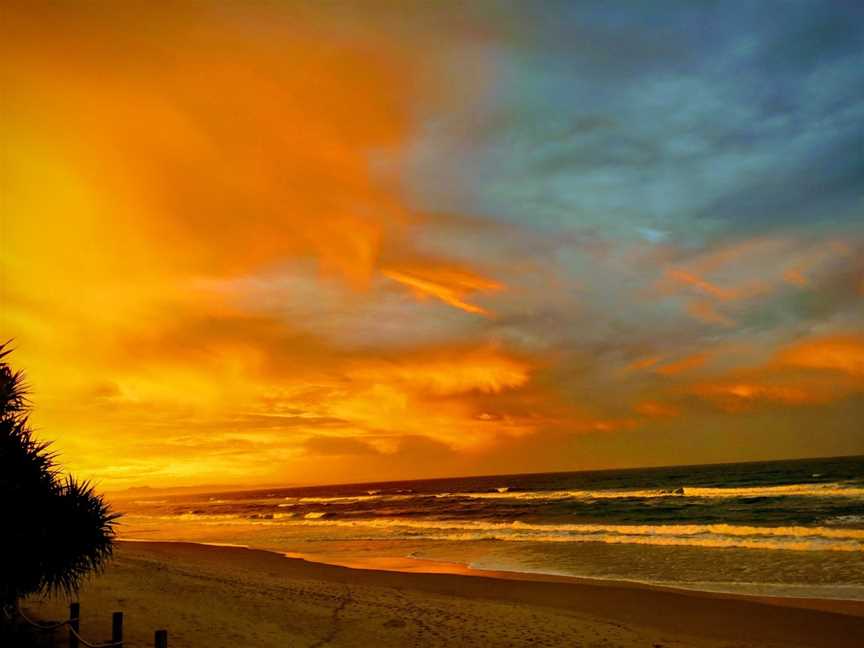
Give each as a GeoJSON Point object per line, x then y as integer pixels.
{"type": "Point", "coordinates": [395, 623]}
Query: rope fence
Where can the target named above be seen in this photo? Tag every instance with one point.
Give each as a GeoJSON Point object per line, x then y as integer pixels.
{"type": "Point", "coordinates": [160, 638]}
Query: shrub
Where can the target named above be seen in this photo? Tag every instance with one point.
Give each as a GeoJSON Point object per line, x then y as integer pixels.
{"type": "Point", "coordinates": [56, 529]}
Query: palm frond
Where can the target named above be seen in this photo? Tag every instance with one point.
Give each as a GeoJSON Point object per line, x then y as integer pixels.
{"type": "Point", "coordinates": [57, 530]}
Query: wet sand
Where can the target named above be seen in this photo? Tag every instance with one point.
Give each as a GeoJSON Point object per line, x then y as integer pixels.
{"type": "Point", "coordinates": [235, 597]}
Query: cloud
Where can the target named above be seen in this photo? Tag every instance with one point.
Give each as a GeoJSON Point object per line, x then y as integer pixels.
{"type": "Point", "coordinates": [446, 374]}
{"type": "Point", "coordinates": [707, 312]}
{"type": "Point", "coordinates": [682, 365]}
{"type": "Point", "coordinates": [449, 285]}
{"type": "Point", "coordinates": [644, 363]}
{"type": "Point", "coordinates": [738, 396]}
{"type": "Point", "coordinates": [684, 278]}
{"type": "Point", "coordinates": [813, 371]}
{"type": "Point", "coordinates": [407, 241]}
{"type": "Point", "coordinates": [655, 409]}
{"type": "Point", "coordinates": [270, 163]}
{"type": "Point", "coordinates": [339, 446]}
{"type": "Point", "coordinates": [796, 277]}
{"type": "Point", "coordinates": [843, 353]}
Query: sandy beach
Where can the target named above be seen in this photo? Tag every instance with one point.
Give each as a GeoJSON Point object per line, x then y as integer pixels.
{"type": "Point", "coordinates": [229, 597]}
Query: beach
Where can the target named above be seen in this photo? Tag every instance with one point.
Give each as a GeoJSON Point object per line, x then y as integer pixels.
{"type": "Point", "coordinates": [415, 323]}
{"type": "Point", "coordinates": [220, 596]}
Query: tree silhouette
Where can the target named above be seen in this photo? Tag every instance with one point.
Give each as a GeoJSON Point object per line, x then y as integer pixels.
{"type": "Point", "coordinates": [55, 529]}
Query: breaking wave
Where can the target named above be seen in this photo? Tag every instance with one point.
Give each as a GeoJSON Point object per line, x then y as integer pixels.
{"type": "Point", "coordinates": [788, 490]}
{"type": "Point", "coordinates": [506, 493]}
{"type": "Point", "coordinates": [705, 535]}
{"type": "Point", "coordinates": [797, 538]}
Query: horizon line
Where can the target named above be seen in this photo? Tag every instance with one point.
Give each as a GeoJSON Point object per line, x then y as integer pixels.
{"type": "Point", "coordinates": [251, 488]}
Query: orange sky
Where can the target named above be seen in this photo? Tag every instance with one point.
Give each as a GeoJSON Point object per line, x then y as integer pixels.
{"type": "Point", "coordinates": [223, 261]}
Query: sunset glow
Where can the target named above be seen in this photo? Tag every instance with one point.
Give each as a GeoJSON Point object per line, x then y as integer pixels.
{"type": "Point", "coordinates": [277, 243]}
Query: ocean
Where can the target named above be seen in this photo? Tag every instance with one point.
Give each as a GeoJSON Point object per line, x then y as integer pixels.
{"type": "Point", "coordinates": [790, 528]}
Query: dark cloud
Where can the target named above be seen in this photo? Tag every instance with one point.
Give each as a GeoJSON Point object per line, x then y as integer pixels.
{"type": "Point", "coordinates": [747, 116]}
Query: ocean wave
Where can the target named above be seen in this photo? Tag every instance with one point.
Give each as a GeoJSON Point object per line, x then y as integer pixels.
{"type": "Point", "coordinates": [834, 489]}
{"type": "Point", "coordinates": [801, 538]}
{"type": "Point", "coordinates": [346, 499]}
{"type": "Point", "coordinates": [703, 535]}
{"type": "Point", "coordinates": [787, 490]}
{"type": "Point", "coordinates": [333, 500]}
{"type": "Point", "coordinates": [845, 520]}
{"type": "Point", "coordinates": [625, 529]}
{"type": "Point", "coordinates": [508, 493]}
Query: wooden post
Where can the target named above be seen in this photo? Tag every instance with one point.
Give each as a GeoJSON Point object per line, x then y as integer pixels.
{"type": "Point", "coordinates": [161, 640]}
{"type": "Point", "coordinates": [14, 621]}
{"type": "Point", "coordinates": [74, 623]}
{"type": "Point", "coordinates": [117, 628]}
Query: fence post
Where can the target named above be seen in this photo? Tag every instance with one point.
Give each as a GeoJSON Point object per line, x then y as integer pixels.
{"type": "Point", "coordinates": [161, 639]}
{"type": "Point", "coordinates": [117, 628]}
{"type": "Point", "coordinates": [74, 616]}
{"type": "Point", "coordinates": [14, 621]}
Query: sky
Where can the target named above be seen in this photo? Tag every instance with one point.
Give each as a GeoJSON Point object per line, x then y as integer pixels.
{"type": "Point", "coordinates": [294, 242]}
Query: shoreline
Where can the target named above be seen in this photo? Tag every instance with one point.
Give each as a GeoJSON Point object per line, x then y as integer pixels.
{"type": "Point", "coordinates": [229, 596]}
{"type": "Point", "coordinates": [415, 565]}
{"type": "Point", "coordinates": [222, 597]}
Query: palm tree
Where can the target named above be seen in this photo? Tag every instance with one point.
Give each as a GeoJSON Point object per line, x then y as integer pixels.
{"type": "Point", "coordinates": [56, 530]}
